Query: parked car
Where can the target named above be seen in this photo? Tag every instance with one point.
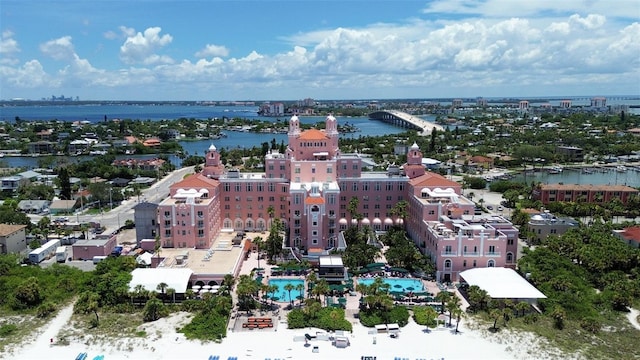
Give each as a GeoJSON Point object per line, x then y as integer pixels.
{"type": "Point", "coordinates": [489, 207]}
{"type": "Point", "coordinates": [500, 208]}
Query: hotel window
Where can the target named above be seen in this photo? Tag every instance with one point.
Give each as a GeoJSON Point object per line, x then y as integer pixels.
{"type": "Point", "coordinates": [355, 166]}
{"type": "Point", "coordinates": [447, 249]}
{"type": "Point", "coordinates": [314, 233]}
{"type": "Point", "coordinates": [376, 206]}
{"type": "Point", "coordinates": [365, 186]}
{"type": "Point", "coordinates": [509, 241]}
{"type": "Point", "coordinates": [238, 187]}
{"type": "Point", "coordinates": [260, 187]}
{"type": "Point", "coordinates": [226, 198]}
{"type": "Point", "coordinates": [474, 263]}
{"type": "Point", "coordinates": [329, 170]}
{"type": "Point", "coordinates": [249, 187]}
{"type": "Point", "coordinates": [167, 233]}
{"type": "Point", "coordinates": [200, 232]}
{"type": "Point", "coordinates": [354, 186]}
{"type": "Point", "coordinates": [432, 212]}
{"type": "Point", "coordinates": [492, 249]}
{"type": "Point", "coordinates": [200, 224]}
{"type": "Point", "coordinates": [389, 186]}
{"type": "Point", "coordinates": [315, 223]}
{"type": "Point", "coordinates": [167, 214]}
{"type": "Point", "coordinates": [377, 186]}
{"type": "Point", "coordinates": [260, 198]}
{"type": "Point", "coordinates": [389, 197]}
{"type": "Point", "coordinates": [272, 187]}
{"type": "Point", "coordinates": [281, 167]}
{"type": "Point", "coordinates": [464, 263]}
{"type": "Point", "coordinates": [313, 170]}
{"type": "Point", "coordinates": [227, 187]}
{"type": "Point", "coordinates": [167, 223]}
{"type": "Point", "coordinates": [200, 214]}
{"type": "Point", "coordinates": [297, 170]}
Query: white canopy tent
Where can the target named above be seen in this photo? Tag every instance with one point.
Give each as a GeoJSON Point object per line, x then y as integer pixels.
{"type": "Point", "coordinates": [502, 283]}
{"type": "Point", "coordinates": [177, 279]}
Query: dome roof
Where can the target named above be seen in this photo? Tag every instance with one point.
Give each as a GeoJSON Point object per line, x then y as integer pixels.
{"type": "Point", "coordinates": [415, 146]}
{"type": "Point", "coordinates": [212, 148]}
{"type": "Point", "coordinates": [331, 118]}
{"type": "Point", "coordinates": [294, 118]}
{"type": "Point", "coordinates": [537, 217]}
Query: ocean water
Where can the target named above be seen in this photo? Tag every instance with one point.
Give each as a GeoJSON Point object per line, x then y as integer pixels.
{"type": "Point", "coordinates": [97, 112]}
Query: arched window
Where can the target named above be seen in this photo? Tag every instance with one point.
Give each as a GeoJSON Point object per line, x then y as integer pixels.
{"type": "Point", "coordinates": [491, 263]}
{"type": "Point", "coordinates": [227, 224]}
{"type": "Point", "coordinates": [239, 225]}
{"type": "Point", "coordinates": [297, 242]}
{"type": "Point", "coordinates": [447, 264]}
{"type": "Point", "coordinates": [509, 257]}
{"type": "Point", "coordinates": [249, 224]}
{"type": "Point", "coordinates": [260, 224]}
{"type": "Point", "coordinates": [332, 242]}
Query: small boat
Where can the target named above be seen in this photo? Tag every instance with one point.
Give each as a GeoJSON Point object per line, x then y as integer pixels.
{"type": "Point", "coordinates": [621, 168]}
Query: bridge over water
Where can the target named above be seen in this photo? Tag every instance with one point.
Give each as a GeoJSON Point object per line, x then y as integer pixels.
{"type": "Point", "coordinates": [402, 119]}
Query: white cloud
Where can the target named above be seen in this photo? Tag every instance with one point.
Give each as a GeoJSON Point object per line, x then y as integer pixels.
{"type": "Point", "coordinates": [212, 51]}
{"type": "Point", "coordinates": [141, 47]}
{"type": "Point", "coordinates": [416, 58]}
{"type": "Point", "coordinates": [59, 49]}
{"type": "Point", "coordinates": [31, 75]}
{"type": "Point", "coordinates": [9, 48]}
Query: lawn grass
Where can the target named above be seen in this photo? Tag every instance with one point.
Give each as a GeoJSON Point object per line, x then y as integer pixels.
{"type": "Point", "coordinates": [616, 340]}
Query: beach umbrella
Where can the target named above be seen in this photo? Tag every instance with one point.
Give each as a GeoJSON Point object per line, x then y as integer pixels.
{"type": "Point", "coordinates": [342, 301]}
{"type": "Point", "coordinates": [275, 298]}
{"type": "Point", "coordinates": [398, 286]}
{"type": "Point", "coordinates": [400, 270]}
{"type": "Point", "coordinates": [206, 287]}
{"type": "Point", "coordinates": [410, 288]}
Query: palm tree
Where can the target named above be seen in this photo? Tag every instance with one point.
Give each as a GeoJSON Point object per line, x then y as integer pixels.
{"type": "Point", "coordinates": [289, 287]}
{"type": "Point", "coordinates": [162, 287]}
{"type": "Point", "coordinates": [300, 289]}
{"type": "Point", "coordinates": [495, 314]}
{"type": "Point", "coordinates": [453, 304]}
{"type": "Point", "coordinates": [171, 292]}
{"type": "Point", "coordinates": [258, 242]}
{"type": "Point", "coordinates": [458, 314]}
{"type": "Point", "coordinates": [522, 306]}
{"type": "Point", "coordinates": [443, 297]}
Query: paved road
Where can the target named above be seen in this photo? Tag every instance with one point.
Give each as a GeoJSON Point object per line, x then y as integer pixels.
{"type": "Point", "coordinates": [114, 219]}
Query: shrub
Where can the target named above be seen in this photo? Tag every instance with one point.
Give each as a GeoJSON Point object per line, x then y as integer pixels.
{"type": "Point", "coordinates": [45, 309]}
{"type": "Point", "coordinates": [7, 329]}
{"type": "Point", "coordinates": [590, 324]}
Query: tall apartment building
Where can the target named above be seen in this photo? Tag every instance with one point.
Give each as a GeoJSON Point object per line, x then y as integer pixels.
{"type": "Point", "coordinates": [309, 188]}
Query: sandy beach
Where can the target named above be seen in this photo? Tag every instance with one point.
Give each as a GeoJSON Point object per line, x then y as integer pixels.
{"type": "Point", "coordinates": [413, 342]}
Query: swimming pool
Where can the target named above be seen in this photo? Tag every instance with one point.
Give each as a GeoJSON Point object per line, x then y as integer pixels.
{"type": "Point", "coordinates": [405, 285]}
{"type": "Point", "coordinates": [282, 294]}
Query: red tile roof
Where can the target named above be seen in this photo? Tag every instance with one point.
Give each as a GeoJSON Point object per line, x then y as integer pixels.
{"type": "Point", "coordinates": [195, 181]}
{"type": "Point", "coordinates": [313, 134]}
{"type": "Point", "coordinates": [315, 200]}
{"type": "Point", "coordinates": [433, 180]}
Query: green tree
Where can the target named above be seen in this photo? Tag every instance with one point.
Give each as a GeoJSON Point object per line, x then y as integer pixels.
{"type": "Point", "coordinates": [154, 310]}
{"type": "Point", "coordinates": [289, 287]}
{"type": "Point", "coordinates": [64, 183]}
{"type": "Point", "coordinates": [88, 302]}
{"type": "Point", "coordinates": [29, 292]}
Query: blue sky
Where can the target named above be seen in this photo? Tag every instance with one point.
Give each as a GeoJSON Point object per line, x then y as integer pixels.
{"type": "Point", "coordinates": [289, 50]}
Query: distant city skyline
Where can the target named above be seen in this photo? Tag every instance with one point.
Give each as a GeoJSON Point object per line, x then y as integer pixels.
{"type": "Point", "coordinates": [290, 50]}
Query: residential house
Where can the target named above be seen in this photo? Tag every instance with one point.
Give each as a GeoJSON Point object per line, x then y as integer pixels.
{"type": "Point", "coordinates": [542, 224]}
{"type": "Point", "coordinates": [13, 238]}
{"type": "Point", "coordinates": [62, 206]}
{"type": "Point", "coordinates": [630, 236]}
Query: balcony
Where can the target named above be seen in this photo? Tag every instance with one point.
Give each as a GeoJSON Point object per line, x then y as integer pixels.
{"type": "Point", "coordinates": [492, 253]}
{"type": "Point", "coordinates": [471, 253]}
{"type": "Point", "coordinates": [448, 253]}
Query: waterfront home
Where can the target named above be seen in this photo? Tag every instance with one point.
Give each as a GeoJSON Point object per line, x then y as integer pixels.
{"type": "Point", "coordinates": [13, 238]}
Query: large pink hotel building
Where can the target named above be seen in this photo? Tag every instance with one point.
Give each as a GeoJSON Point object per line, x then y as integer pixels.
{"type": "Point", "coordinates": [309, 188]}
